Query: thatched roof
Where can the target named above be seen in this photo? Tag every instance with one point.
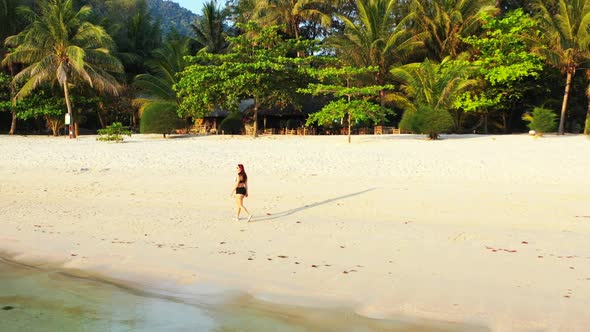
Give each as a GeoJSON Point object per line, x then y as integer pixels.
{"type": "Point", "coordinates": [242, 108]}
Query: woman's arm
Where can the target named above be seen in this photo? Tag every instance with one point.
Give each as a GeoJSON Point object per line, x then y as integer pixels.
{"type": "Point", "coordinates": [233, 191]}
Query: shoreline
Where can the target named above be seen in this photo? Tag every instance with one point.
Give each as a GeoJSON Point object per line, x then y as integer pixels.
{"type": "Point", "coordinates": [395, 226]}
{"type": "Point", "coordinates": [322, 316]}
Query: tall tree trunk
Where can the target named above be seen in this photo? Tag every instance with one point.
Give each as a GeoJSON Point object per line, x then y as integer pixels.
{"type": "Point", "coordinates": [69, 106]}
{"type": "Point", "coordinates": [349, 126]}
{"type": "Point", "coordinates": [12, 123]}
{"type": "Point", "coordinates": [349, 120]}
{"type": "Point", "coordinates": [566, 95]}
{"type": "Point", "coordinates": [255, 127]}
{"type": "Point", "coordinates": [13, 111]}
{"type": "Point", "coordinates": [587, 123]}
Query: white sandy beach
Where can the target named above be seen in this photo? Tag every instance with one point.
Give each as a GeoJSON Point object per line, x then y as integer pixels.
{"type": "Point", "coordinates": [489, 231]}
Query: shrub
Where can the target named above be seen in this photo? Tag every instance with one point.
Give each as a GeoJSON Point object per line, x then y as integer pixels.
{"type": "Point", "coordinates": [232, 124]}
{"type": "Point", "coordinates": [427, 120]}
{"type": "Point", "coordinates": [114, 132]}
{"type": "Point", "coordinates": [541, 121]}
{"type": "Point", "coordinates": [406, 123]}
{"type": "Point", "coordinates": [159, 120]}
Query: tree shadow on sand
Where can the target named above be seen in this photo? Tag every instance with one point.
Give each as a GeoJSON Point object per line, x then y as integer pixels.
{"type": "Point", "coordinates": [308, 206]}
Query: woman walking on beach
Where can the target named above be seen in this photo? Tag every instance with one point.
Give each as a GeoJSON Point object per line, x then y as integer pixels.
{"type": "Point", "coordinates": [241, 191]}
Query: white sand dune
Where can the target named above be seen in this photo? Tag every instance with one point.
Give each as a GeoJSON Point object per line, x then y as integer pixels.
{"type": "Point", "coordinates": [485, 230]}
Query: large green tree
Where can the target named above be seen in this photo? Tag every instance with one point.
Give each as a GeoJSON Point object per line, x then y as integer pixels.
{"type": "Point", "coordinates": [565, 41]}
{"type": "Point", "coordinates": [505, 64]}
{"type": "Point", "coordinates": [256, 67]}
{"type": "Point", "coordinates": [59, 45]}
{"type": "Point", "coordinates": [351, 97]}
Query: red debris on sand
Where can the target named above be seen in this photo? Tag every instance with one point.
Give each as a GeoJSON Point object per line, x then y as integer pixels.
{"type": "Point", "coordinates": [268, 214]}
{"type": "Point", "coordinates": [524, 242]}
{"type": "Point", "coordinates": [501, 249]}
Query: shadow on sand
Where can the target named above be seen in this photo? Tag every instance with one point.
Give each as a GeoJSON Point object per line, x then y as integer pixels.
{"type": "Point", "coordinates": [308, 206]}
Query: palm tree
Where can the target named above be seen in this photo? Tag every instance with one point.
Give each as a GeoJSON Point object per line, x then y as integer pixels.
{"type": "Point", "coordinates": [210, 28]}
{"type": "Point", "coordinates": [434, 85]}
{"type": "Point", "coordinates": [289, 14]}
{"type": "Point", "coordinates": [446, 22]}
{"type": "Point", "coordinates": [156, 87]}
{"type": "Point", "coordinates": [376, 38]}
{"type": "Point", "coordinates": [59, 45]}
{"type": "Point", "coordinates": [566, 42]}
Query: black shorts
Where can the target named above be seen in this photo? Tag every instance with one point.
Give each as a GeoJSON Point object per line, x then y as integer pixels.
{"type": "Point", "coordinates": [240, 191]}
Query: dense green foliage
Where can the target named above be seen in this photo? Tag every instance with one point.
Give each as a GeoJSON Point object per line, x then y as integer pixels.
{"type": "Point", "coordinates": [541, 120]}
{"type": "Point", "coordinates": [565, 39]}
{"type": "Point", "coordinates": [505, 65]}
{"type": "Point", "coordinates": [427, 120]}
{"type": "Point", "coordinates": [159, 120]}
{"type": "Point", "coordinates": [155, 88]}
{"type": "Point", "coordinates": [434, 85]}
{"type": "Point", "coordinates": [255, 67]}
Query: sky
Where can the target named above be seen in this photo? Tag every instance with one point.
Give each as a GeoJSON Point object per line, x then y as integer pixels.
{"type": "Point", "coordinates": [194, 6]}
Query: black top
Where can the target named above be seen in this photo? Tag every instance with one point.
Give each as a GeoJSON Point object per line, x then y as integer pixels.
{"type": "Point", "coordinates": [242, 177]}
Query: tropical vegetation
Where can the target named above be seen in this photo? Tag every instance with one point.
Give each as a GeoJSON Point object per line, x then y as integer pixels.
{"type": "Point", "coordinates": [431, 67]}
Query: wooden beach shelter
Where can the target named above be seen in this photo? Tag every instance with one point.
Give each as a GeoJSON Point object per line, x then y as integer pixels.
{"type": "Point", "coordinates": [209, 124]}
{"type": "Point", "coordinates": [287, 120]}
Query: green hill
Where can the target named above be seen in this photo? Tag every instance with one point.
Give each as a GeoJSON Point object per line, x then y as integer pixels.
{"type": "Point", "coordinates": [172, 16]}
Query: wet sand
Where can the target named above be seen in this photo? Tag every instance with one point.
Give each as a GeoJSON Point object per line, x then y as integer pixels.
{"type": "Point", "coordinates": [33, 299]}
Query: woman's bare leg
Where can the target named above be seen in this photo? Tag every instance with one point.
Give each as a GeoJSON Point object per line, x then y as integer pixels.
{"type": "Point", "coordinates": [239, 199]}
{"type": "Point", "coordinates": [241, 205]}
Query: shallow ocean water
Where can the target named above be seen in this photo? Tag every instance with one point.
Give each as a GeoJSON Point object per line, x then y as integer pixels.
{"type": "Point", "coordinates": [51, 300]}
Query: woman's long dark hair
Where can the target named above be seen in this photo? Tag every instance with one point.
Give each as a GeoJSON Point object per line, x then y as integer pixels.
{"type": "Point", "coordinates": [243, 176]}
